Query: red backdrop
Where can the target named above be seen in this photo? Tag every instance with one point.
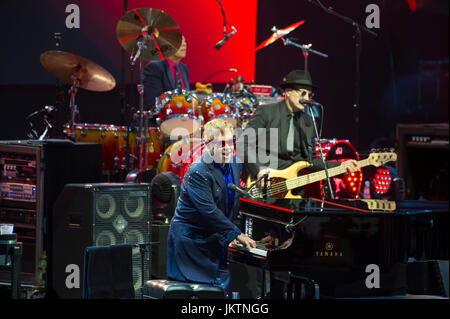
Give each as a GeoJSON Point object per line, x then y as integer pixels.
{"type": "Point", "coordinates": [201, 22]}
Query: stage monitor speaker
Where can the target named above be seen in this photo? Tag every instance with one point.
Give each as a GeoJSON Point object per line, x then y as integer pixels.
{"type": "Point", "coordinates": [32, 175]}
{"type": "Point", "coordinates": [423, 160]}
{"type": "Point", "coordinates": [428, 277]}
{"type": "Point", "coordinates": [100, 214]}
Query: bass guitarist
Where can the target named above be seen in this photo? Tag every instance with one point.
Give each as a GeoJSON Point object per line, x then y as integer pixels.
{"type": "Point", "coordinates": [294, 126]}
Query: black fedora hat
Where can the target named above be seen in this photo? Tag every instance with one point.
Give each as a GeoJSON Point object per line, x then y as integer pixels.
{"type": "Point", "coordinates": [297, 78]}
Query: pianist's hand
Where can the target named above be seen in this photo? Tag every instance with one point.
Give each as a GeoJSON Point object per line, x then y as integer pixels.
{"type": "Point", "coordinates": [246, 241]}
{"type": "Point", "coordinates": [270, 240]}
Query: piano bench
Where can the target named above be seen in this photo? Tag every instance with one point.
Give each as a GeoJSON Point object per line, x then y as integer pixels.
{"type": "Point", "coordinates": [170, 289]}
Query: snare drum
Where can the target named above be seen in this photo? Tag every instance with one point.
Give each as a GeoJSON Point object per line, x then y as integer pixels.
{"type": "Point", "coordinates": [178, 155]}
{"type": "Point", "coordinates": [219, 106]}
{"type": "Point", "coordinates": [179, 113]}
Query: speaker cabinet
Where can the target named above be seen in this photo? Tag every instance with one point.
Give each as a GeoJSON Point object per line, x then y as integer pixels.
{"type": "Point", "coordinates": [98, 215]}
{"type": "Point", "coordinates": [423, 160]}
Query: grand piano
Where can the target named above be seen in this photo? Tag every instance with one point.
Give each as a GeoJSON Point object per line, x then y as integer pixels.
{"type": "Point", "coordinates": [333, 247]}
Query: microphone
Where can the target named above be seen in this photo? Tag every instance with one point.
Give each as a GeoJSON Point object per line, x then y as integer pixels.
{"type": "Point", "coordinates": [225, 39]}
{"type": "Point", "coordinates": [239, 190]}
{"type": "Point", "coordinates": [49, 109]}
{"type": "Point", "coordinates": [141, 45]}
{"type": "Point", "coordinates": [135, 57]}
{"type": "Point", "coordinates": [310, 102]}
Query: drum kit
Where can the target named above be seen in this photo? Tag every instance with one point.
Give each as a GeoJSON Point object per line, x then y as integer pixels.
{"type": "Point", "coordinates": [146, 34]}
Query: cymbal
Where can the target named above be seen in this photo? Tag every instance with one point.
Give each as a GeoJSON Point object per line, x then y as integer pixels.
{"type": "Point", "coordinates": [160, 33]}
{"type": "Point", "coordinates": [89, 75]}
{"type": "Point", "coordinates": [278, 34]}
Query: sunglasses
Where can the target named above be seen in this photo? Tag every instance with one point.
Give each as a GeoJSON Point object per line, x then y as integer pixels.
{"type": "Point", "coordinates": [224, 143]}
{"type": "Point", "coordinates": [304, 93]}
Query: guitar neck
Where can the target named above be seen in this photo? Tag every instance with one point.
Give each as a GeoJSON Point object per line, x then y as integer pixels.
{"type": "Point", "coordinates": [318, 176]}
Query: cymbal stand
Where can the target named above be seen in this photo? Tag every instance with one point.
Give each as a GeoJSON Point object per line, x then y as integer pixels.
{"type": "Point", "coordinates": [142, 140]}
{"type": "Point", "coordinates": [74, 113]}
{"type": "Point", "coordinates": [306, 49]}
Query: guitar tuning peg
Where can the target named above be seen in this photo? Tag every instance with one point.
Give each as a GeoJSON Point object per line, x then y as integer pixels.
{"type": "Point", "coordinates": [373, 150]}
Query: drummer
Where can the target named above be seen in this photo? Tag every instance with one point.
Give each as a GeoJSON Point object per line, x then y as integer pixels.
{"type": "Point", "coordinates": [165, 75]}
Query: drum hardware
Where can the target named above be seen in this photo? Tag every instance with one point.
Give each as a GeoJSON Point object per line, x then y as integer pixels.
{"type": "Point", "coordinates": [278, 33]}
{"type": "Point", "coordinates": [306, 49]}
{"type": "Point", "coordinates": [89, 75]}
{"type": "Point", "coordinates": [217, 72]}
{"type": "Point", "coordinates": [79, 72]}
{"type": "Point", "coordinates": [47, 112]}
{"type": "Point", "coordinates": [220, 106]}
{"type": "Point", "coordinates": [148, 34]}
{"type": "Point", "coordinates": [160, 33]}
{"type": "Point", "coordinates": [179, 113]}
{"type": "Point", "coordinates": [74, 112]}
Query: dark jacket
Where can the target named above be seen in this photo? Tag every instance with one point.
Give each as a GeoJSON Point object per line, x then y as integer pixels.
{"type": "Point", "coordinates": [277, 116]}
{"type": "Point", "coordinates": [158, 79]}
{"type": "Point", "coordinates": [200, 230]}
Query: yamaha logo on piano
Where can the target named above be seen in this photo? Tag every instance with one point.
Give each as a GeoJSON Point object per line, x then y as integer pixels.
{"type": "Point", "coordinates": [329, 251]}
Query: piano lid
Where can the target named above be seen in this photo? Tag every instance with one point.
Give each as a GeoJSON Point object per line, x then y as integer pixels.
{"type": "Point", "coordinates": [284, 209]}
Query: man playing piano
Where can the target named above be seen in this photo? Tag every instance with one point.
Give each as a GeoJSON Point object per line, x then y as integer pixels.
{"type": "Point", "coordinates": [202, 226]}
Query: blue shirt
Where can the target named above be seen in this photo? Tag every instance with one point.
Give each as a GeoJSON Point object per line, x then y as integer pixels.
{"type": "Point", "coordinates": [228, 178]}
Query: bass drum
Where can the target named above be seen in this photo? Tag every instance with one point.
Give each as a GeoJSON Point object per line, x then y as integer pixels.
{"type": "Point", "coordinates": [345, 185]}
{"type": "Point", "coordinates": [178, 155]}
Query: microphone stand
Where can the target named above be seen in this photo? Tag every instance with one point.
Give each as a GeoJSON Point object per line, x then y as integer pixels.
{"type": "Point", "coordinates": [142, 249]}
{"type": "Point", "coordinates": [306, 48]}
{"type": "Point", "coordinates": [357, 37]}
{"type": "Point", "coordinates": [59, 98]}
{"type": "Point", "coordinates": [321, 152]}
{"type": "Point", "coordinates": [217, 72]}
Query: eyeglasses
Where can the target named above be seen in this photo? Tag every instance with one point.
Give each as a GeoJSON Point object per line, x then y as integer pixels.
{"type": "Point", "coordinates": [224, 143]}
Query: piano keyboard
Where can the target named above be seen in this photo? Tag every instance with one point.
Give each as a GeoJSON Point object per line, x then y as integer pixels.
{"type": "Point", "coordinates": [260, 250]}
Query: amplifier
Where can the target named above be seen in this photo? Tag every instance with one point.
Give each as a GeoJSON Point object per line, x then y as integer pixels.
{"type": "Point", "coordinates": [261, 89]}
{"type": "Point", "coordinates": [32, 174]}
{"type": "Point", "coordinates": [19, 176]}
{"type": "Point", "coordinates": [18, 192]}
{"type": "Point", "coordinates": [423, 160]}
